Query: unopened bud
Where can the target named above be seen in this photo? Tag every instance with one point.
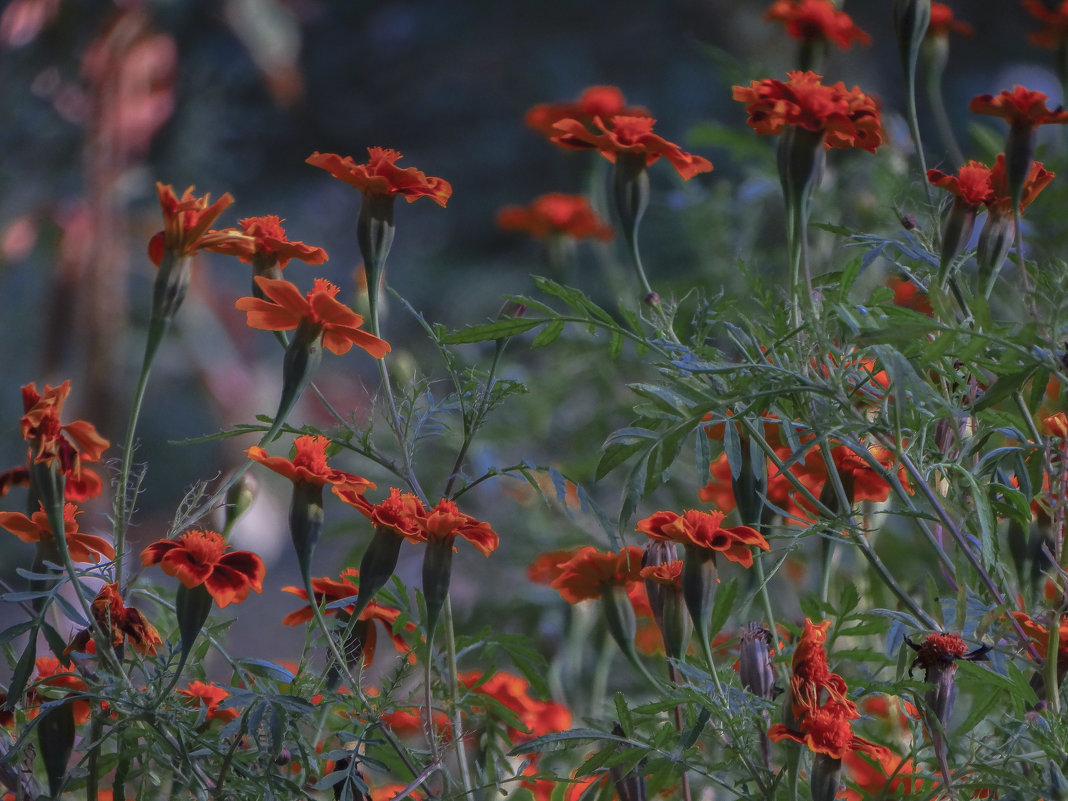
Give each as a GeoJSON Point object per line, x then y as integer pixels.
{"type": "Point", "coordinates": [826, 777]}
{"type": "Point", "coordinates": [239, 500]}
{"type": "Point", "coordinates": [754, 663]}
{"type": "Point", "coordinates": [511, 309]}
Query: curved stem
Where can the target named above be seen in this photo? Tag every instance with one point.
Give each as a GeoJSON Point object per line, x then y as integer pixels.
{"type": "Point", "coordinates": [941, 118]}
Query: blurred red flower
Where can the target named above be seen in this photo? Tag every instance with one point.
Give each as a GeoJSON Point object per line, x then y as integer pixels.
{"type": "Point", "coordinates": [210, 697]}
{"type": "Point", "coordinates": [1054, 30]}
{"type": "Point", "coordinates": [596, 101]}
{"type": "Point", "coordinates": [590, 573]}
{"type": "Point", "coordinates": [556, 214]}
{"type": "Point", "coordinates": [286, 308]}
{"type": "Point", "coordinates": [811, 20]}
{"type": "Point", "coordinates": [50, 673]}
{"type": "Point", "coordinates": [187, 222]}
{"type": "Point", "coordinates": [512, 692]}
{"type": "Point", "coordinates": [199, 557]}
{"type": "Point", "coordinates": [381, 175]}
{"type": "Point", "coordinates": [942, 22]}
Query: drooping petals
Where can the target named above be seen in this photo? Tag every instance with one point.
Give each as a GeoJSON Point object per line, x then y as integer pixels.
{"type": "Point", "coordinates": [187, 226]}
{"type": "Point", "coordinates": [1020, 108]}
{"type": "Point", "coordinates": [269, 244]}
{"type": "Point", "coordinates": [704, 530]}
{"type": "Point", "coordinates": [381, 175]}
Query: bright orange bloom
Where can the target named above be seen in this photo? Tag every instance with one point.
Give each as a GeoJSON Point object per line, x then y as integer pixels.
{"type": "Point", "coordinates": [1021, 108]}
{"type": "Point", "coordinates": [1039, 635]}
{"type": "Point", "coordinates": [628, 135]}
{"type": "Point", "coordinates": [210, 697]}
{"type": "Point", "coordinates": [668, 574]}
{"type": "Point", "coordinates": [859, 479]}
{"type": "Point", "coordinates": [556, 214]}
{"type": "Point", "coordinates": [942, 22]}
{"type": "Point", "coordinates": [881, 775]}
{"type": "Point", "coordinates": [703, 530]}
{"type": "Point", "coordinates": [50, 673]}
{"type": "Point", "coordinates": [401, 511]}
{"type": "Point", "coordinates": [538, 717]}
{"type": "Point", "coordinates": [329, 590]}
{"type": "Point", "coordinates": [381, 175]}
{"type": "Point", "coordinates": [822, 713]}
{"type": "Point", "coordinates": [186, 222]}
{"type": "Point", "coordinates": [1054, 30]}
{"type": "Point", "coordinates": [199, 557]}
{"type": "Point", "coordinates": [286, 308]}
{"type": "Point", "coordinates": [1000, 200]}
{"type": "Point", "coordinates": [848, 117]}
{"type": "Point", "coordinates": [971, 183]}
{"type": "Point", "coordinates": [812, 20]}
{"type": "Point", "coordinates": [590, 573]}
{"type": "Point", "coordinates": [908, 295]}
{"type": "Point", "coordinates": [446, 521]}
{"type": "Point", "coordinates": [270, 245]}
{"type": "Point", "coordinates": [309, 466]}
{"type": "Point", "coordinates": [1055, 425]}
{"type": "Point", "coordinates": [410, 720]}
{"type": "Point", "coordinates": [52, 441]}
{"type": "Point", "coordinates": [548, 566]}
{"type": "Point", "coordinates": [121, 622]}
{"type": "Point", "coordinates": [82, 547]}
{"type": "Point", "coordinates": [596, 101]}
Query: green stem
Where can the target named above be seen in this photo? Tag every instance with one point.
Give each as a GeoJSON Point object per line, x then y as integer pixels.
{"type": "Point", "coordinates": [938, 109]}
{"type": "Point", "coordinates": [457, 722]}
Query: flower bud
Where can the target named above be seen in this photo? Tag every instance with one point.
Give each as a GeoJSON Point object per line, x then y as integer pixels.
{"type": "Point", "coordinates": [374, 234]}
{"type": "Point", "coordinates": [378, 563]}
{"type": "Point", "coordinates": [801, 158]}
{"type": "Point", "coordinates": [192, 605]}
{"type": "Point", "coordinates": [302, 358]}
{"type": "Point", "coordinates": [306, 523]}
{"type": "Point", "coordinates": [754, 662]}
{"type": "Point", "coordinates": [993, 247]}
{"type": "Point", "coordinates": [960, 221]}
{"type": "Point", "coordinates": [826, 777]}
{"type": "Point", "coordinates": [750, 484]}
{"type": "Point", "coordinates": [239, 498]}
{"type": "Point", "coordinates": [619, 617]}
{"type": "Point", "coordinates": [437, 573]}
{"type": "Point", "coordinates": [699, 589]}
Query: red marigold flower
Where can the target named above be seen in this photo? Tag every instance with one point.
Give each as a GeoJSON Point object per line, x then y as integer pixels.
{"type": "Point", "coordinates": [82, 547]}
{"type": "Point", "coordinates": [909, 295]}
{"type": "Point", "coordinates": [210, 697]}
{"type": "Point", "coordinates": [68, 445]}
{"type": "Point", "coordinates": [199, 557]}
{"type": "Point", "coordinates": [596, 101]}
{"type": "Point", "coordinates": [410, 720]}
{"type": "Point", "coordinates": [556, 214]}
{"type": "Point", "coordinates": [848, 117]}
{"type": "Point", "coordinates": [1054, 30]}
{"type": "Point", "coordinates": [446, 521]}
{"type": "Point", "coordinates": [286, 308]}
{"type": "Point", "coordinates": [1000, 199]}
{"type": "Point", "coordinates": [631, 135]}
{"type": "Point", "coordinates": [328, 590]}
{"type": "Point", "coordinates": [270, 246]}
{"type": "Point", "coordinates": [811, 20]}
{"type": "Point", "coordinates": [827, 729]}
{"type": "Point", "coordinates": [548, 566]}
{"type": "Point", "coordinates": [971, 183]}
{"type": "Point", "coordinates": [538, 717]}
{"type": "Point", "coordinates": [120, 622]}
{"type": "Point", "coordinates": [381, 175]}
{"type": "Point", "coordinates": [401, 512]}
{"type": "Point", "coordinates": [50, 673]}
{"type": "Point", "coordinates": [668, 574]}
{"type": "Point", "coordinates": [308, 465]}
{"type": "Point", "coordinates": [942, 22]}
{"type": "Point", "coordinates": [1021, 108]}
{"type": "Point", "coordinates": [187, 222]}
{"type": "Point", "coordinates": [1039, 635]}
{"type": "Point", "coordinates": [590, 573]}
{"type": "Point", "coordinates": [882, 775]}
{"type": "Point", "coordinates": [703, 530]}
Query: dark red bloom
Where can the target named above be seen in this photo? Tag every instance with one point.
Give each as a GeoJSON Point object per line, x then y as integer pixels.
{"type": "Point", "coordinates": [200, 557]}
{"type": "Point", "coordinates": [704, 530]}
{"type": "Point", "coordinates": [1020, 108]}
{"type": "Point", "coordinates": [269, 244]}
{"type": "Point", "coordinates": [971, 183]}
{"type": "Point", "coordinates": [120, 622]}
{"type": "Point", "coordinates": [811, 20]}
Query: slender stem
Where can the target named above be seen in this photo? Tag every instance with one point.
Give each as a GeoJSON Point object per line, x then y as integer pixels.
{"type": "Point", "coordinates": [765, 597]}
{"type": "Point", "coordinates": [470, 429]}
{"type": "Point", "coordinates": [941, 118]}
{"type": "Point", "coordinates": [1029, 419]}
{"type": "Point", "coordinates": [673, 676]}
{"type": "Point", "coordinates": [1051, 668]}
{"type": "Point", "coordinates": [454, 684]}
{"type": "Point", "coordinates": [828, 549]}
{"type": "Point", "coordinates": [428, 698]}
{"type": "Point", "coordinates": [914, 130]}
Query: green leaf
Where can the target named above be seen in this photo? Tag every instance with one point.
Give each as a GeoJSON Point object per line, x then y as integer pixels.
{"type": "Point", "coordinates": [626, 721]}
{"type": "Point", "coordinates": [561, 741]}
{"type": "Point", "coordinates": [21, 675]}
{"type": "Point", "coordinates": [1002, 388]}
{"type": "Point", "coordinates": [722, 606]}
{"type": "Point", "coordinates": [548, 334]}
{"type": "Point", "coordinates": [508, 327]}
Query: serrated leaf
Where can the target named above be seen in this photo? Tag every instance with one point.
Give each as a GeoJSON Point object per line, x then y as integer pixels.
{"type": "Point", "coordinates": [548, 334]}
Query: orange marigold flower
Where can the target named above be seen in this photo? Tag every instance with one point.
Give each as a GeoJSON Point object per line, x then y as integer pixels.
{"type": "Point", "coordinates": [942, 22]}
{"type": "Point", "coordinates": [65, 444]}
{"type": "Point", "coordinates": [1021, 108]}
{"type": "Point", "coordinates": [596, 101]}
{"type": "Point", "coordinates": [200, 557]}
{"type": "Point", "coordinates": [811, 20]}
{"type": "Point", "coordinates": [909, 295]}
{"type": "Point", "coordinates": [556, 214]}
{"type": "Point", "coordinates": [971, 183]}
{"type": "Point", "coordinates": [881, 775]}
{"type": "Point", "coordinates": [269, 244]}
{"type": "Point", "coordinates": [285, 308]}
{"type": "Point", "coordinates": [187, 222]}
{"type": "Point", "coordinates": [1055, 425]}
{"type": "Point", "coordinates": [328, 591]}
{"type": "Point", "coordinates": [210, 697]}
{"type": "Point", "coordinates": [82, 547]}
{"type": "Point", "coordinates": [538, 717]}
{"type": "Point", "coordinates": [121, 622]}
{"type": "Point", "coordinates": [827, 729]}
{"type": "Point", "coordinates": [1054, 30]}
{"type": "Point", "coordinates": [51, 674]}
{"type": "Point", "coordinates": [667, 574]}
{"type": "Point", "coordinates": [1000, 199]}
{"type": "Point", "coordinates": [401, 512]}
{"type": "Point", "coordinates": [381, 175]}
{"type": "Point", "coordinates": [848, 117]}
{"type": "Point", "coordinates": [704, 530]}
{"type": "Point", "coordinates": [308, 465]}
{"type": "Point", "coordinates": [1039, 634]}
{"type": "Point", "coordinates": [446, 521]}
{"type": "Point", "coordinates": [548, 566]}
{"type": "Point", "coordinates": [590, 573]}
{"type": "Point", "coordinates": [631, 135]}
